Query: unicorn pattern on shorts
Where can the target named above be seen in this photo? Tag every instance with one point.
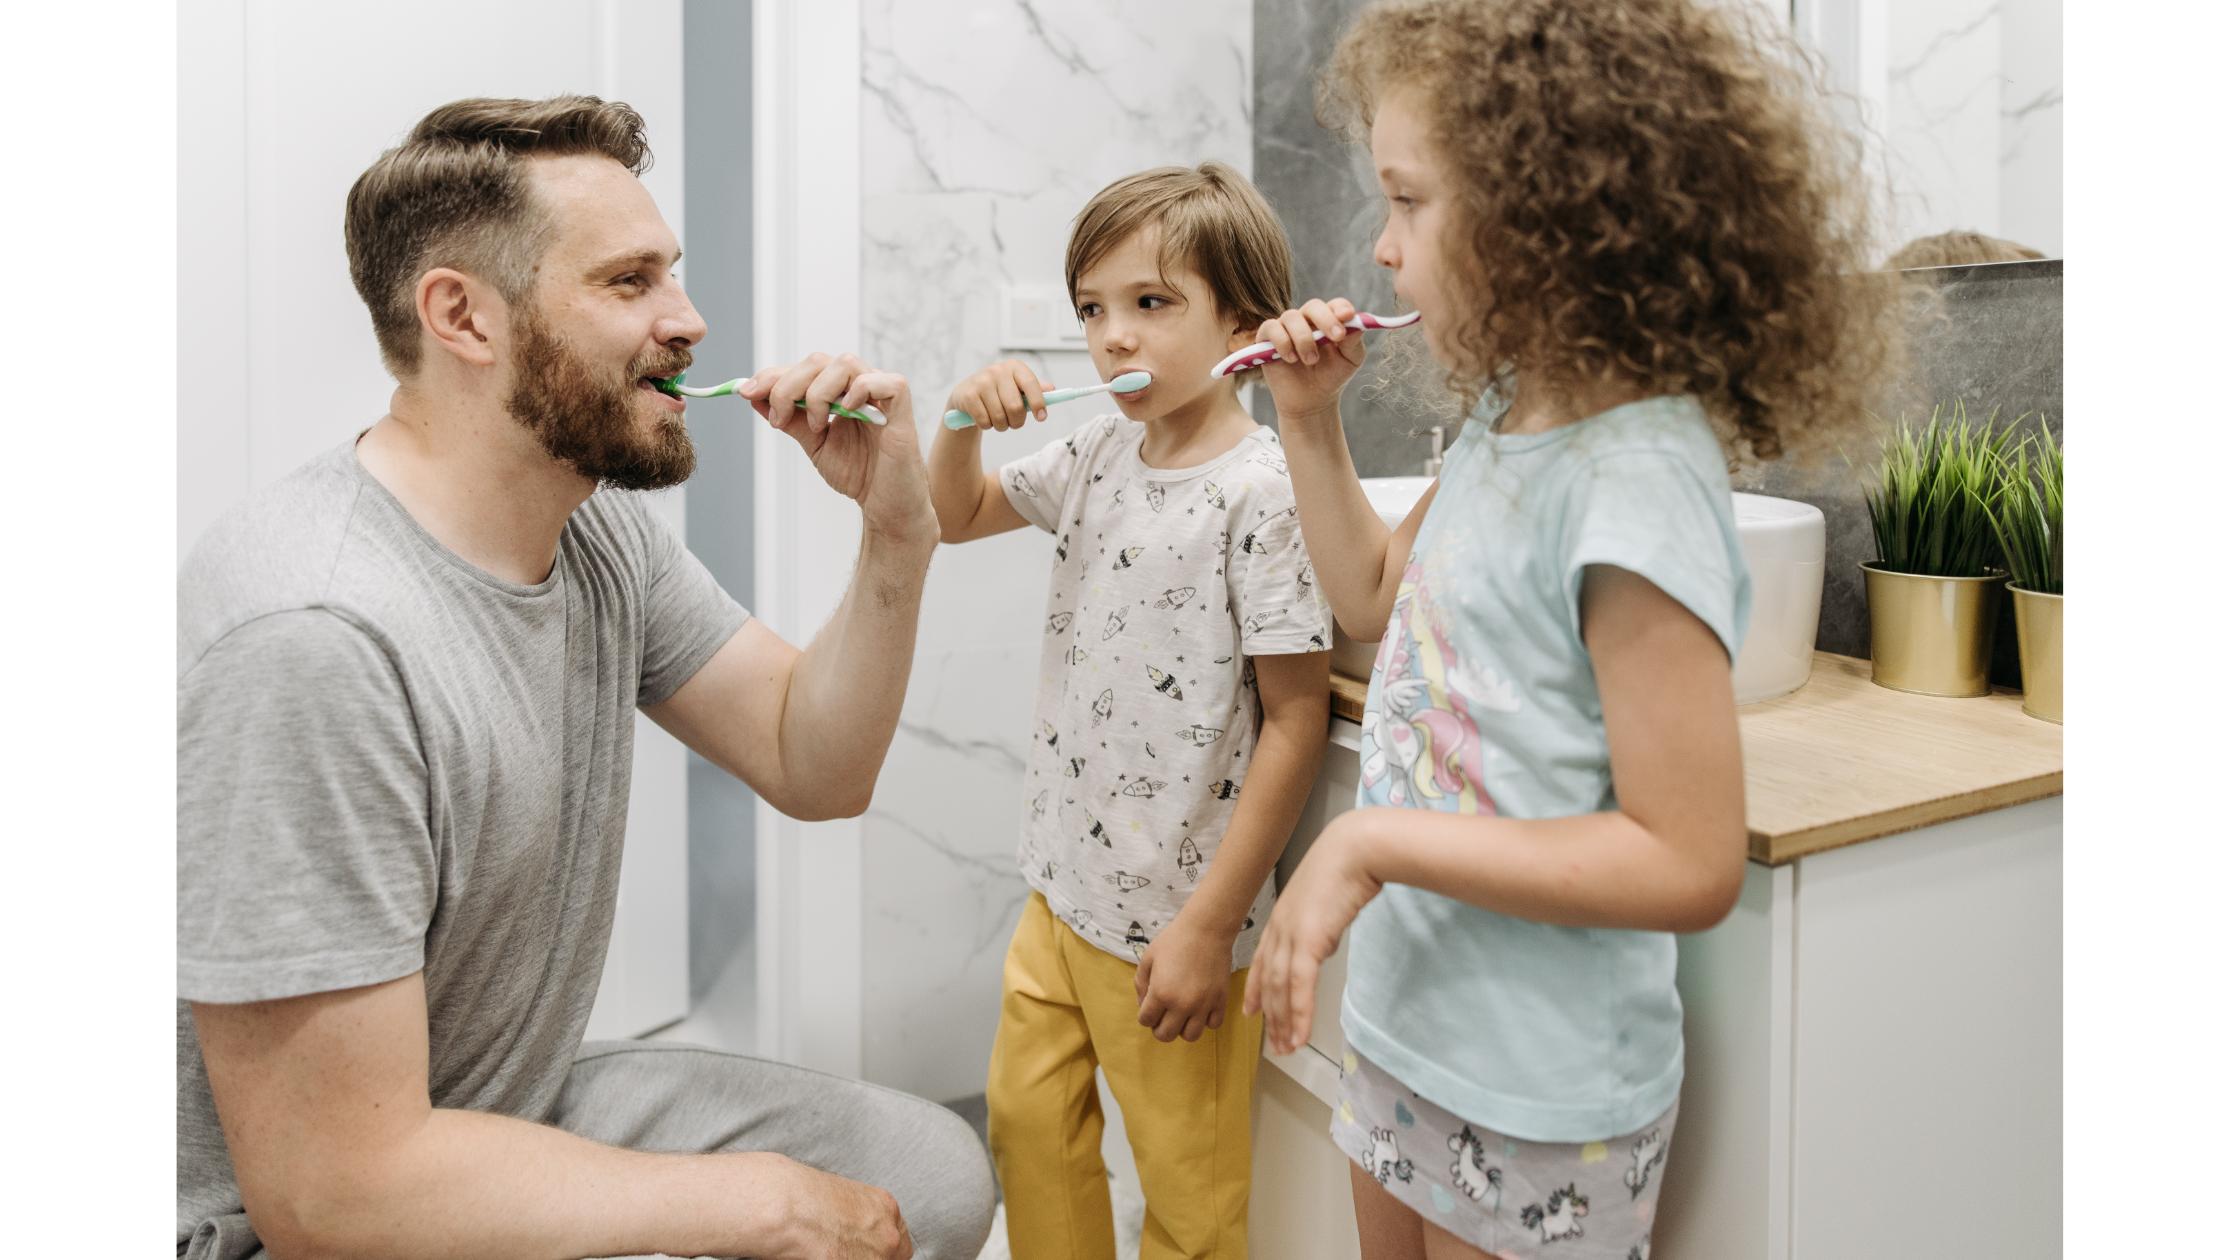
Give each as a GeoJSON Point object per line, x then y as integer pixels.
{"type": "Point", "coordinates": [1565, 1215]}
{"type": "Point", "coordinates": [1382, 1160]}
{"type": "Point", "coordinates": [1471, 1176]}
{"type": "Point", "coordinates": [1648, 1152]}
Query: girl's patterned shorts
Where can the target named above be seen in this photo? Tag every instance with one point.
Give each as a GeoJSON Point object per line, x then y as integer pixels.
{"type": "Point", "coordinates": [1582, 1201]}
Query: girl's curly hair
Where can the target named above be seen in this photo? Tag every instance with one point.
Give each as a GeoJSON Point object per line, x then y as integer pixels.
{"type": "Point", "coordinates": [1657, 195]}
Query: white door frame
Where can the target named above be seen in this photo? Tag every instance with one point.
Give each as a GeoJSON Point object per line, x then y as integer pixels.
{"type": "Point", "coordinates": [807, 70]}
{"type": "Point", "coordinates": [1854, 36]}
{"type": "Point", "coordinates": [637, 51]}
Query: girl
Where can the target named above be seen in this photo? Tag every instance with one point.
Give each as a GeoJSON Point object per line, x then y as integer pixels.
{"type": "Point", "coordinates": [1628, 231]}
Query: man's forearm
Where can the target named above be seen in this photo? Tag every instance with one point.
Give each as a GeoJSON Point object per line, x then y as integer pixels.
{"type": "Point", "coordinates": [470, 1184]}
{"type": "Point", "coordinates": [846, 692]}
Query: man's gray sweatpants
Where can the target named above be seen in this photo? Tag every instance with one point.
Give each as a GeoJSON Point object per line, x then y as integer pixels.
{"type": "Point", "coordinates": [658, 1096]}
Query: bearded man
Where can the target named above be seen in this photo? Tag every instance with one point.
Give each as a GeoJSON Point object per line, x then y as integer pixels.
{"type": "Point", "coordinates": [408, 674]}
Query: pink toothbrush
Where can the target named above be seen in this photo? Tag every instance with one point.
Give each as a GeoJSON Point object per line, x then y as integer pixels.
{"type": "Point", "coordinates": [1260, 352]}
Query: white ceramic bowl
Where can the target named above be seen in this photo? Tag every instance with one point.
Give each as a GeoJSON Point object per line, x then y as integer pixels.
{"type": "Point", "coordinates": [1784, 544]}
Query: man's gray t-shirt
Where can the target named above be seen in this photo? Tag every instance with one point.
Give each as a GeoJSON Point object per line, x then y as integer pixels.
{"type": "Point", "coordinates": [391, 761]}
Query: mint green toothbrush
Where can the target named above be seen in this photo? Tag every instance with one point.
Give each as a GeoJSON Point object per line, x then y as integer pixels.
{"type": "Point", "coordinates": [676, 388]}
{"type": "Point", "coordinates": [1125, 383]}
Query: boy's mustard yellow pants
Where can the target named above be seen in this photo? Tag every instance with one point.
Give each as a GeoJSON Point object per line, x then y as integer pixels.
{"type": "Point", "coordinates": [1069, 1008]}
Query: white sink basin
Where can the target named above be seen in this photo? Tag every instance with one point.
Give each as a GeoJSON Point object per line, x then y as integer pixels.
{"type": "Point", "coordinates": [1785, 545]}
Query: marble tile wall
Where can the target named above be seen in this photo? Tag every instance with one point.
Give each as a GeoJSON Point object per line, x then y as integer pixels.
{"type": "Point", "coordinates": [1973, 119]}
{"type": "Point", "coordinates": [986, 125]}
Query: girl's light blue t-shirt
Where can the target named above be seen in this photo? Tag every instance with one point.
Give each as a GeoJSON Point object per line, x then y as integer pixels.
{"type": "Point", "coordinates": [1484, 702]}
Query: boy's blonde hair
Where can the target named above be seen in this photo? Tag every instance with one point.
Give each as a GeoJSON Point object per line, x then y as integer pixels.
{"type": "Point", "coordinates": [1652, 194]}
{"type": "Point", "coordinates": [1212, 221]}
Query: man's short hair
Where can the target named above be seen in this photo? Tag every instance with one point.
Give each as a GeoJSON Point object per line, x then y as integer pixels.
{"type": "Point", "coordinates": [1212, 221]}
{"type": "Point", "coordinates": [456, 194]}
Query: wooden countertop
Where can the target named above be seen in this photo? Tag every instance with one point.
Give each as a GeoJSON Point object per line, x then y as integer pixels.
{"type": "Point", "coordinates": [1841, 760]}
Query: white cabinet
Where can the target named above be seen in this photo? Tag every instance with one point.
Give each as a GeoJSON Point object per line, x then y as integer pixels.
{"type": "Point", "coordinates": [1874, 1057]}
{"type": "Point", "coordinates": [1874, 1053]}
{"type": "Point", "coordinates": [1302, 1189]}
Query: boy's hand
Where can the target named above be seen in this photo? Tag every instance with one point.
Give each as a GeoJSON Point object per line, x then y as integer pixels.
{"type": "Point", "coordinates": [1324, 894]}
{"type": "Point", "coordinates": [1000, 395]}
{"type": "Point", "coordinates": [1182, 984]}
{"type": "Point", "coordinates": [1307, 375]}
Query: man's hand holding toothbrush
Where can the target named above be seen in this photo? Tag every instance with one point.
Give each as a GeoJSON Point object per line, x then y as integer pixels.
{"type": "Point", "coordinates": [878, 465]}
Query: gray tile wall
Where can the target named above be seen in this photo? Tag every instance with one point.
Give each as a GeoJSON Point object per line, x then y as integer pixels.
{"type": "Point", "coordinates": [1990, 338]}
{"type": "Point", "coordinates": [1325, 191]}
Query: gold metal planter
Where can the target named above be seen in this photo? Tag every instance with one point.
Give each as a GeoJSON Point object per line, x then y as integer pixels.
{"type": "Point", "coordinates": [1932, 635]}
{"type": "Point", "coordinates": [2037, 626]}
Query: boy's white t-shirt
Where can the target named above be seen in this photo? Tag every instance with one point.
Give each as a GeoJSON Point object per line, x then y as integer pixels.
{"type": "Point", "coordinates": [1165, 583]}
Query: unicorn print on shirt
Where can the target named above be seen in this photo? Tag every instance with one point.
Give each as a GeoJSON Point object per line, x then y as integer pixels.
{"type": "Point", "coordinates": [1420, 743]}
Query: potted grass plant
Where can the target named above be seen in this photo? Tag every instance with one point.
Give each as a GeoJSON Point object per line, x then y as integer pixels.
{"type": "Point", "coordinates": [2026, 516]}
{"type": "Point", "coordinates": [1931, 587]}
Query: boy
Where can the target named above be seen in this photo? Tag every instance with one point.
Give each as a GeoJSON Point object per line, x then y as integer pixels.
{"type": "Point", "coordinates": [1181, 716]}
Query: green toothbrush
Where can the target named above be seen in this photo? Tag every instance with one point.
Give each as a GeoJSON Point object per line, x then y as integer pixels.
{"type": "Point", "coordinates": [676, 388]}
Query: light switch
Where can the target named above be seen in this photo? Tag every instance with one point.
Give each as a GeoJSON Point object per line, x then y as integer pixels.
{"type": "Point", "coordinates": [1039, 317]}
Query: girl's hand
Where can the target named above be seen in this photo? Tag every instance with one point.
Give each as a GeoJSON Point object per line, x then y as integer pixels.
{"type": "Point", "coordinates": [1307, 376]}
{"type": "Point", "coordinates": [1000, 395]}
{"type": "Point", "coordinates": [1325, 893]}
{"type": "Point", "coordinates": [1182, 984]}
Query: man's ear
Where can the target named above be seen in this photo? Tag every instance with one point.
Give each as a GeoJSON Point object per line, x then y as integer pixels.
{"type": "Point", "coordinates": [461, 313]}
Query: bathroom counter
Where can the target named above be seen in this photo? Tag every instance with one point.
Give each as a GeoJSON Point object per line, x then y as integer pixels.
{"type": "Point", "coordinates": [1841, 760]}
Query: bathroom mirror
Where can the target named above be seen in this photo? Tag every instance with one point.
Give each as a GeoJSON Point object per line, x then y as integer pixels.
{"type": "Point", "coordinates": [1962, 105]}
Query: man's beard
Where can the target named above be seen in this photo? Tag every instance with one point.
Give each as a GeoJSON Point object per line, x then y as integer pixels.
{"type": "Point", "coordinates": [590, 423]}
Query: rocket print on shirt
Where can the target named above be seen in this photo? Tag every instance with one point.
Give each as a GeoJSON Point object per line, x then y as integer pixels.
{"type": "Point", "coordinates": [1162, 589]}
{"type": "Point", "coordinates": [1188, 859]}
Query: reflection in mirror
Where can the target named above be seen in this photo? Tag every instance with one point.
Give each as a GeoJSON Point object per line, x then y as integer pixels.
{"type": "Point", "coordinates": [1969, 112]}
